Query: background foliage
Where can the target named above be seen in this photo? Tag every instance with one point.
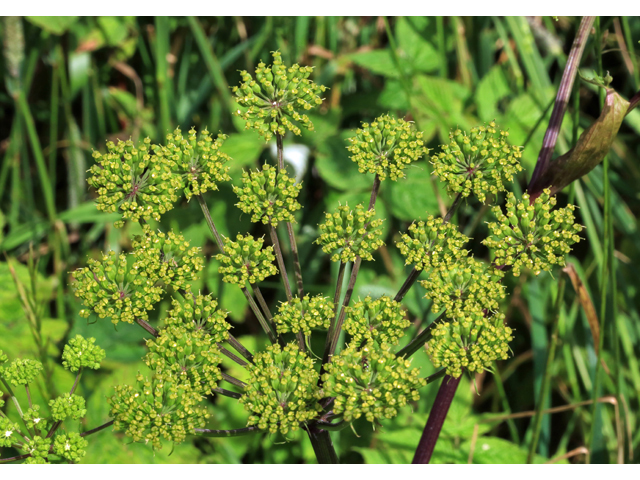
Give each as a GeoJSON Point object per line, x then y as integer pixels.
{"type": "Point", "coordinates": [71, 83]}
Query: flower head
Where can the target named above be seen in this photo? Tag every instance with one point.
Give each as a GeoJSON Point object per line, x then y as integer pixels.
{"type": "Point", "coordinates": [80, 353]}
{"type": "Point", "coordinates": [34, 419]}
{"type": "Point", "coordinates": [472, 342]}
{"type": "Point", "coordinates": [157, 408]}
{"type": "Point", "coordinates": [167, 257]}
{"type": "Point", "coordinates": [282, 390]}
{"type": "Point", "coordinates": [8, 429]}
{"type": "Point", "coordinates": [246, 261]}
{"type": "Point", "coordinates": [199, 313]}
{"type": "Point", "coordinates": [38, 447]}
{"type": "Point", "coordinates": [386, 146]}
{"type": "Point", "coordinates": [66, 406]}
{"type": "Point", "coordinates": [276, 97]}
{"type": "Point", "coordinates": [432, 243]}
{"type": "Point", "coordinates": [346, 234]}
{"type": "Point", "coordinates": [532, 236]}
{"type": "Point", "coordinates": [131, 180]}
{"type": "Point", "coordinates": [478, 163]}
{"type": "Point", "coordinates": [304, 315]}
{"type": "Point", "coordinates": [198, 161]}
{"type": "Point", "coordinates": [22, 371]}
{"type": "Point", "coordinates": [269, 196]}
{"type": "Point", "coordinates": [115, 287]}
{"type": "Point", "coordinates": [70, 446]}
{"type": "Point", "coordinates": [381, 320]}
{"type": "Point", "coordinates": [370, 382]}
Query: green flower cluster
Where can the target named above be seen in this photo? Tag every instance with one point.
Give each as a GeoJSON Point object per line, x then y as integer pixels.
{"type": "Point", "coordinates": [466, 287]}
{"type": "Point", "coordinates": [304, 315]}
{"type": "Point", "coordinates": [282, 391]}
{"type": "Point", "coordinates": [38, 447]}
{"type": "Point", "coordinates": [66, 406]}
{"type": "Point", "coordinates": [478, 163]}
{"type": "Point", "coordinates": [381, 321]}
{"type": "Point", "coordinates": [386, 146]}
{"type": "Point", "coordinates": [268, 195]}
{"type": "Point", "coordinates": [276, 96]}
{"type": "Point", "coordinates": [155, 409]}
{"type": "Point", "coordinates": [432, 243]}
{"type": "Point", "coordinates": [246, 261]}
{"type": "Point", "coordinates": [189, 356]}
{"type": "Point", "coordinates": [347, 234]}
{"type": "Point", "coordinates": [82, 353]}
{"type": "Point", "coordinates": [199, 313]}
{"type": "Point", "coordinates": [166, 257]}
{"type": "Point", "coordinates": [115, 288]}
{"type": "Point", "coordinates": [3, 359]}
{"type": "Point", "coordinates": [21, 371]}
{"type": "Point", "coordinates": [8, 429]}
{"type": "Point", "coordinates": [472, 342]}
{"type": "Point", "coordinates": [131, 180]}
{"type": "Point", "coordinates": [199, 162]}
{"type": "Point", "coordinates": [33, 419]}
{"type": "Point", "coordinates": [370, 382]}
{"type": "Point", "coordinates": [71, 447]}
{"type": "Point", "coordinates": [532, 236]}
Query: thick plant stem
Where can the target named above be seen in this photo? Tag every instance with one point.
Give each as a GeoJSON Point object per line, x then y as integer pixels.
{"type": "Point", "coordinates": [280, 259]}
{"type": "Point", "coordinates": [280, 150]}
{"type": "Point", "coordinates": [259, 315]}
{"type": "Point", "coordinates": [212, 227]}
{"type": "Point", "coordinates": [322, 445]}
{"type": "Point", "coordinates": [147, 327]}
{"type": "Point", "coordinates": [97, 429]}
{"type": "Point", "coordinates": [408, 283]}
{"type": "Point", "coordinates": [297, 269]}
{"type": "Point", "coordinates": [336, 297]}
{"type": "Point", "coordinates": [422, 338]}
{"type": "Point", "coordinates": [233, 380]}
{"type": "Point", "coordinates": [233, 341]}
{"type": "Point", "coordinates": [436, 419]}
{"type": "Point", "coordinates": [454, 207]}
{"type": "Point", "coordinates": [263, 304]}
{"type": "Point", "coordinates": [231, 356]}
{"type": "Point", "coordinates": [227, 393]}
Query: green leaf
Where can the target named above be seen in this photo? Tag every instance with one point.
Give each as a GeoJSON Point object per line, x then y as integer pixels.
{"type": "Point", "coordinates": [413, 198]}
{"type": "Point", "coordinates": [55, 25]}
{"type": "Point", "coordinates": [492, 88]}
{"type": "Point", "coordinates": [336, 167]}
{"type": "Point", "coordinates": [494, 450]}
{"type": "Point", "coordinates": [377, 61]}
{"type": "Point", "coordinates": [244, 149]}
{"type": "Point", "coordinates": [419, 54]}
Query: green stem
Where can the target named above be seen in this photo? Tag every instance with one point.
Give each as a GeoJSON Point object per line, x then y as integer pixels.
{"type": "Point", "coordinates": [147, 327]}
{"type": "Point", "coordinates": [75, 383]}
{"type": "Point", "coordinates": [97, 429]}
{"type": "Point", "coordinates": [422, 338]}
{"type": "Point", "coordinates": [14, 399]}
{"type": "Point", "coordinates": [227, 393]}
{"type": "Point", "coordinates": [297, 269]}
{"type": "Point", "coordinates": [26, 388]}
{"type": "Point", "coordinates": [322, 445]}
{"type": "Point", "coordinates": [231, 356]}
{"type": "Point", "coordinates": [233, 341]}
{"type": "Point", "coordinates": [263, 304]}
{"type": "Point", "coordinates": [259, 315]}
{"type": "Point", "coordinates": [233, 380]}
{"type": "Point", "coordinates": [336, 297]}
{"type": "Point", "coordinates": [546, 381]}
{"type": "Point", "coordinates": [436, 376]}
{"type": "Point", "coordinates": [280, 259]}
{"type": "Point", "coordinates": [207, 432]}
{"type": "Point", "coordinates": [212, 227]}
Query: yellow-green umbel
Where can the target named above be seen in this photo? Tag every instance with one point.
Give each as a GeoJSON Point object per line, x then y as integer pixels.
{"type": "Point", "coordinates": [269, 196]}
{"type": "Point", "coordinates": [67, 406]}
{"type": "Point", "coordinates": [532, 236]}
{"type": "Point", "coordinates": [157, 409]}
{"type": "Point", "coordinates": [432, 243]}
{"type": "Point", "coordinates": [135, 182]}
{"type": "Point", "coordinates": [197, 160]}
{"type": "Point", "coordinates": [38, 447]}
{"type": "Point", "coordinates": [282, 390]}
{"type": "Point", "coordinates": [9, 432]}
{"type": "Point", "coordinates": [21, 371]}
{"type": "Point", "coordinates": [199, 313]}
{"type": "Point", "coordinates": [370, 382]}
{"type": "Point", "coordinates": [82, 352]}
{"type": "Point", "coordinates": [381, 321]}
{"type": "Point", "coordinates": [304, 315]}
{"type": "Point", "coordinates": [246, 261]}
{"type": "Point", "coordinates": [348, 233]}
{"type": "Point", "coordinates": [386, 146]}
{"type": "Point", "coordinates": [477, 163]}
{"type": "Point", "coordinates": [34, 419]}
{"type": "Point", "coordinates": [70, 446]}
{"type": "Point", "coordinates": [276, 97]}
{"type": "Point", "coordinates": [472, 342]}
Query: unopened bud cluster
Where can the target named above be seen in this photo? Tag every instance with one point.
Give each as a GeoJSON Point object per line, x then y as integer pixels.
{"type": "Point", "coordinates": [386, 146]}
{"type": "Point", "coordinates": [381, 321]}
{"type": "Point", "coordinates": [199, 313]}
{"type": "Point", "coordinates": [303, 315]}
{"type": "Point", "coordinates": [347, 234]}
{"type": "Point", "coordinates": [477, 163]}
{"type": "Point", "coordinates": [21, 371]}
{"type": "Point", "coordinates": [67, 406]}
{"type": "Point", "coordinates": [70, 446]}
{"type": "Point", "coordinates": [269, 196]}
{"type": "Point", "coordinates": [82, 353]}
{"type": "Point", "coordinates": [246, 261]}
{"type": "Point", "coordinates": [532, 236]}
{"type": "Point", "coordinates": [276, 97]}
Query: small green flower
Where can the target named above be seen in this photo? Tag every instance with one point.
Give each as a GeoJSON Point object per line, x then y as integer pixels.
{"type": "Point", "coordinates": [3, 358]}
{"type": "Point", "coordinates": [130, 180]}
{"type": "Point", "coordinates": [532, 236]}
{"type": "Point", "coordinates": [304, 315]}
{"type": "Point", "coordinates": [472, 342]}
{"type": "Point", "coordinates": [269, 196]}
{"type": "Point", "coordinates": [71, 446]}
{"type": "Point", "coordinates": [155, 409]}
{"type": "Point", "coordinates": [432, 243]}
{"type": "Point", "coordinates": [38, 447]}
{"type": "Point", "coordinates": [189, 356]}
{"type": "Point", "coordinates": [246, 261]}
{"type": "Point", "coordinates": [347, 234]}
{"type": "Point", "coordinates": [8, 432]}
{"type": "Point", "coordinates": [198, 161]}
{"type": "Point", "coordinates": [167, 257]}
{"type": "Point", "coordinates": [282, 390]}
{"type": "Point", "coordinates": [66, 406]}
{"type": "Point", "coordinates": [82, 353]}
{"type": "Point", "coordinates": [386, 146]}
{"type": "Point", "coordinates": [116, 287]}
{"type": "Point", "coordinates": [34, 419]}
{"type": "Point", "coordinates": [477, 163]}
{"type": "Point", "coordinates": [199, 313]}
{"type": "Point", "coordinates": [276, 97]}
{"type": "Point", "coordinates": [1, 395]}
{"type": "Point", "coordinates": [466, 287]}
{"type": "Point", "coordinates": [22, 371]}
{"type": "Point", "coordinates": [369, 382]}
{"type": "Point", "coordinates": [381, 320]}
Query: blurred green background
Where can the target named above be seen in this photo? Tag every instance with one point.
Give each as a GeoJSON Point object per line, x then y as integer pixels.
{"type": "Point", "coordinates": [72, 83]}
